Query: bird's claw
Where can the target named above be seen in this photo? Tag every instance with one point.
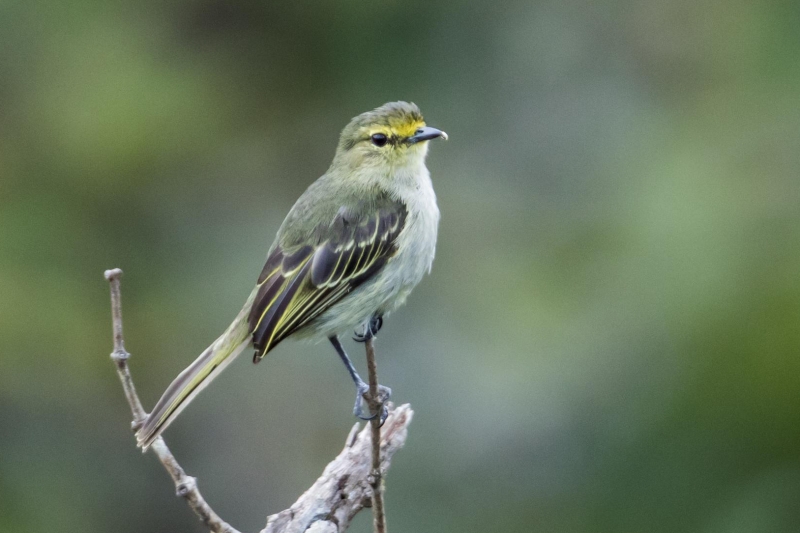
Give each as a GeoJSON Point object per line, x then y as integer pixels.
{"type": "Point", "coordinates": [362, 395]}
{"type": "Point", "coordinates": [371, 329]}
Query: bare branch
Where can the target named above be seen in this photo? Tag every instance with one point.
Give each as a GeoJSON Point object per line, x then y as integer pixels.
{"type": "Point", "coordinates": [378, 512]}
{"type": "Point", "coordinates": [185, 486]}
{"type": "Point", "coordinates": [346, 486]}
{"type": "Point", "coordinates": [120, 355]}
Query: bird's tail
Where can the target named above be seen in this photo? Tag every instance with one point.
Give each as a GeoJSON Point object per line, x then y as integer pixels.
{"type": "Point", "coordinates": [195, 378]}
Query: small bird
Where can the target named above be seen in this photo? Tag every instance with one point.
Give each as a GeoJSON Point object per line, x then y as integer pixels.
{"type": "Point", "coordinates": [350, 251]}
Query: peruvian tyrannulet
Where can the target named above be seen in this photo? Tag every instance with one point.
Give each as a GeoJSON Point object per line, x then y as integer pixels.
{"type": "Point", "coordinates": [350, 251]}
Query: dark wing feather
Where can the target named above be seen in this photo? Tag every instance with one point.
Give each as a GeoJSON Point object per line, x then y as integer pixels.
{"type": "Point", "coordinates": [299, 284]}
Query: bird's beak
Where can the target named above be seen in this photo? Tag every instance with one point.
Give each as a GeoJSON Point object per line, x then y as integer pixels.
{"type": "Point", "coordinates": [426, 134]}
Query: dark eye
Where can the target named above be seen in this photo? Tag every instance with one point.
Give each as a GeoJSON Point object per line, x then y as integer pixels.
{"type": "Point", "coordinates": [379, 139]}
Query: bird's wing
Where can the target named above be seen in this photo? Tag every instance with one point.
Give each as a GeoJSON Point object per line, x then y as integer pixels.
{"type": "Point", "coordinates": [300, 282]}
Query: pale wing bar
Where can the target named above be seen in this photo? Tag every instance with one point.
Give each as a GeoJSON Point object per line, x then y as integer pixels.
{"type": "Point", "coordinates": [295, 288]}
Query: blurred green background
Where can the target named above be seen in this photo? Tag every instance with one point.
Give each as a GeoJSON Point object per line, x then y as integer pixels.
{"type": "Point", "coordinates": [609, 339]}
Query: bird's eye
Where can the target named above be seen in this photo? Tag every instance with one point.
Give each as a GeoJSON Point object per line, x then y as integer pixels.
{"type": "Point", "coordinates": [379, 139]}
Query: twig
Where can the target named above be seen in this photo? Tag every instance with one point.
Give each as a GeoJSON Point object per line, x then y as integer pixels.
{"type": "Point", "coordinates": [378, 512]}
{"type": "Point", "coordinates": [345, 487]}
{"type": "Point", "coordinates": [185, 485]}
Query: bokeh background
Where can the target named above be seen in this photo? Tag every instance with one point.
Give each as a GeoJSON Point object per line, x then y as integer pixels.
{"type": "Point", "coordinates": [609, 340]}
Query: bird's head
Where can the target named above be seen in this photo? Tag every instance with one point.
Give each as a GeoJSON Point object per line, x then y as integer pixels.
{"type": "Point", "coordinates": [393, 134]}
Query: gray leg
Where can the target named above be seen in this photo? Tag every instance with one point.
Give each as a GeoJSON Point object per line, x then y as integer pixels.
{"type": "Point", "coordinates": [361, 386]}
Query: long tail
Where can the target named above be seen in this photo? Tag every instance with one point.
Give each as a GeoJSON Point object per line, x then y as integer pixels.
{"type": "Point", "coordinates": [195, 378]}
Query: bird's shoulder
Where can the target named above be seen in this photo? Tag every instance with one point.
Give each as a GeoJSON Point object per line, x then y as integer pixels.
{"type": "Point", "coordinates": [329, 208]}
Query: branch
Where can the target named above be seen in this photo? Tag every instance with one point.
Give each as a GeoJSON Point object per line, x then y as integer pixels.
{"type": "Point", "coordinates": [185, 486]}
{"type": "Point", "coordinates": [376, 406]}
{"type": "Point", "coordinates": [345, 487]}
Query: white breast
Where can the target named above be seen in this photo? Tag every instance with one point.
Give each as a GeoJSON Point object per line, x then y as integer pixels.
{"type": "Point", "coordinates": [417, 241]}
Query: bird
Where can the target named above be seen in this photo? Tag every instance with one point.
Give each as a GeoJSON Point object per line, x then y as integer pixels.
{"type": "Point", "coordinates": [349, 252]}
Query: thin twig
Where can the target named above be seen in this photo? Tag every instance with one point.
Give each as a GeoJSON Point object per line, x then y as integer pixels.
{"type": "Point", "coordinates": [378, 512]}
{"type": "Point", "coordinates": [185, 485]}
{"type": "Point", "coordinates": [346, 486]}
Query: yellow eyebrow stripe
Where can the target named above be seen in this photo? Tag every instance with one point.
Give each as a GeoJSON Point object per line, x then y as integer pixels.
{"type": "Point", "coordinates": [399, 128]}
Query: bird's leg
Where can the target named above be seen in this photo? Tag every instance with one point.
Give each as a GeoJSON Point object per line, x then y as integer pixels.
{"type": "Point", "coordinates": [371, 329]}
{"type": "Point", "coordinates": [362, 388]}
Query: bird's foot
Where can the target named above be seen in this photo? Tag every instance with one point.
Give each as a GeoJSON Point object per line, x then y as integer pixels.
{"type": "Point", "coordinates": [371, 329]}
{"type": "Point", "coordinates": [376, 405]}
